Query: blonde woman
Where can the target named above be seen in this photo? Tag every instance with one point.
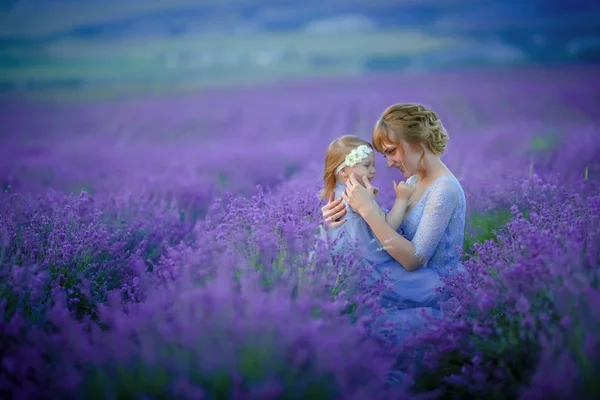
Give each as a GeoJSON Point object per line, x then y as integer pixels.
{"type": "Point", "coordinates": [412, 139]}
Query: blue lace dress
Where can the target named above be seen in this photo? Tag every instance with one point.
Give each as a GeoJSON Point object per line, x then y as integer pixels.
{"type": "Point", "coordinates": [435, 225]}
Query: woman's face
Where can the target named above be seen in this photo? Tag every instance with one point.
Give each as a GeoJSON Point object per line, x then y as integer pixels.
{"type": "Point", "coordinates": [403, 156]}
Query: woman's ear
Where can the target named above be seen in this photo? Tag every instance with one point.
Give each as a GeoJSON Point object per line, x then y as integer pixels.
{"type": "Point", "coordinates": [344, 172]}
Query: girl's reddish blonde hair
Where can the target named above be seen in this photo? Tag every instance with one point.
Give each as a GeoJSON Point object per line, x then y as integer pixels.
{"type": "Point", "coordinates": [336, 152]}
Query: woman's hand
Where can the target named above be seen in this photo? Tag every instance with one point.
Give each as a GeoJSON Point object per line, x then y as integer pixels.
{"type": "Point", "coordinates": [333, 211]}
{"type": "Point", "coordinates": [360, 198]}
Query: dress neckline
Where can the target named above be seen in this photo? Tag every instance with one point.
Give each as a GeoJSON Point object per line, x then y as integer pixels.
{"type": "Point", "coordinates": [425, 192]}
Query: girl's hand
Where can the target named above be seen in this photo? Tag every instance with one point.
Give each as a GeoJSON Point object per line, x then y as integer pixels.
{"type": "Point", "coordinates": [403, 190]}
{"type": "Point", "coordinates": [333, 211]}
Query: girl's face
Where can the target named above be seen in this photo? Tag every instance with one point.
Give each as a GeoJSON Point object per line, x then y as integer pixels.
{"type": "Point", "coordinates": [364, 168]}
{"type": "Point", "coordinates": [403, 156]}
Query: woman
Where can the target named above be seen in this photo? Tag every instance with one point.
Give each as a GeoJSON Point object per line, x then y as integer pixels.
{"type": "Point", "coordinates": [412, 139]}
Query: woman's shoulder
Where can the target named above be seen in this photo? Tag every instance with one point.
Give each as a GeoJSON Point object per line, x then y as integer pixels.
{"type": "Point", "coordinates": [448, 177]}
{"type": "Point", "coordinates": [447, 182]}
{"type": "Point", "coordinates": [446, 190]}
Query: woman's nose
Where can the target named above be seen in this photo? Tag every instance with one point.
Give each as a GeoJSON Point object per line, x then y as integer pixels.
{"type": "Point", "coordinates": [388, 161]}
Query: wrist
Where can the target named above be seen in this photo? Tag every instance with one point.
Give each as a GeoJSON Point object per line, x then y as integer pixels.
{"type": "Point", "coordinates": [401, 200]}
{"type": "Point", "coordinates": [371, 212]}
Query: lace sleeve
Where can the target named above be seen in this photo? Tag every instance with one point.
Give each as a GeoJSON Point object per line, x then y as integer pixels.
{"type": "Point", "coordinates": [442, 202]}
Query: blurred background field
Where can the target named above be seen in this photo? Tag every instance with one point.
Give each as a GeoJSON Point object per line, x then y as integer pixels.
{"type": "Point", "coordinates": [193, 98]}
{"type": "Point", "coordinates": [78, 50]}
{"type": "Point", "coordinates": [263, 82]}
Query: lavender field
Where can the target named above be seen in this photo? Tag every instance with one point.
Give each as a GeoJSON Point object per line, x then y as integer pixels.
{"type": "Point", "coordinates": [159, 247]}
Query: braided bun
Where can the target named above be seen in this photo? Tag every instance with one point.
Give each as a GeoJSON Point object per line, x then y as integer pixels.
{"type": "Point", "coordinates": [412, 122]}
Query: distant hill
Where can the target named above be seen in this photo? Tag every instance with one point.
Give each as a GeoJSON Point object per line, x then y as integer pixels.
{"type": "Point", "coordinates": [51, 43]}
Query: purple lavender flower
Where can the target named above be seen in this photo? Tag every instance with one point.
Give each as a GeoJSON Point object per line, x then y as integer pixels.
{"type": "Point", "coordinates": [168, 248]}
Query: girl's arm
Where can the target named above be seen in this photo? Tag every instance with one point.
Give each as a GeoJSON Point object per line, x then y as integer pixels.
{"type": "Point", "coordinates": [396, 215]}
{"type": "Point", "coordinates": [403, 192]}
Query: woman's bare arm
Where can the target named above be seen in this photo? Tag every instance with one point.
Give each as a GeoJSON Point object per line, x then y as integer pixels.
{"type": "Point", "coordinates": [400, 248]}
{"type": "Point", "coordinates": [439, 208]}
{"type": "Point", "coordinates": [437, 213]}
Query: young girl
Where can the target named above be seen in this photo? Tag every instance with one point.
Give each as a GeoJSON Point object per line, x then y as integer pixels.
{"type": "Point", "coordinates": [351, 155]}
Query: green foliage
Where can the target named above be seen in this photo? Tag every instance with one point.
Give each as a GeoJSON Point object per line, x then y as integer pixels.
{"type": "Point", "coordinates": [483, 226]}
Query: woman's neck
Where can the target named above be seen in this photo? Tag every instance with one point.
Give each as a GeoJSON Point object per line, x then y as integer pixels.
{"type": "Point", "coordinates": [433, 168]}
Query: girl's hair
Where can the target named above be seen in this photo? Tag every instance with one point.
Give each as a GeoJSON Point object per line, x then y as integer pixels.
{"type": "Point", "coordinates": [412, 122]}
{"type": "Point", "coordinates": [336, 152]}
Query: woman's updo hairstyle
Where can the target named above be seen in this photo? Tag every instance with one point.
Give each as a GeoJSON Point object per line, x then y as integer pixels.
{"type": "Point", "coordinates": [412, 122]}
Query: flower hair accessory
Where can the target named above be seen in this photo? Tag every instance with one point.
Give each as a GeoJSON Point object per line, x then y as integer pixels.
{"type": "Point", "coordinates": [355, 156]}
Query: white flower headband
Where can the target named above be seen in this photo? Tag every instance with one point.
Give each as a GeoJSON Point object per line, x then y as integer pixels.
{"type": "Point", "coordinates": [355, 156]}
